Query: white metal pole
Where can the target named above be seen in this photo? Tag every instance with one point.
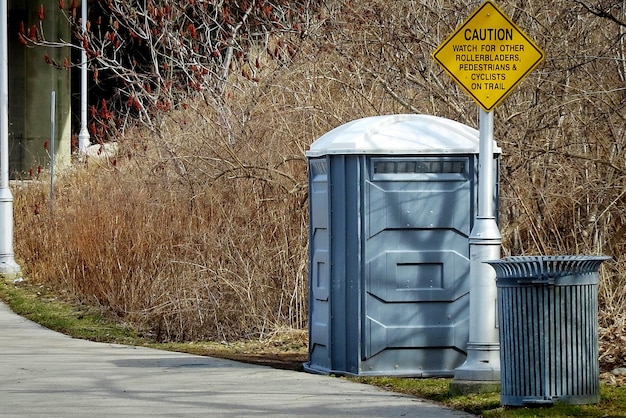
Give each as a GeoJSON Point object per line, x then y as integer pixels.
{"type": "Point", "coordinates": [483, 350]}
{"type": "Point", "coordinates": [83, 135]}
{"type": "Point", "coordinates": [52, 139]}
{"type": "Point", "coordinates": [8, 266]}
{"type": "Point", "coordinates": [486, 181]}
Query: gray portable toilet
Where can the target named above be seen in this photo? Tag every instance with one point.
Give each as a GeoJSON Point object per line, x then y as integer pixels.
{"type": "Point", "coordinates": [392, 202]}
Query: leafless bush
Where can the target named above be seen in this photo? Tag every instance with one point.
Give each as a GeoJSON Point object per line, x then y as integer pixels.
{"type": "Point", "coordinates": [227, 262]}
{"type": "Point", "coordinates": [147, 58]}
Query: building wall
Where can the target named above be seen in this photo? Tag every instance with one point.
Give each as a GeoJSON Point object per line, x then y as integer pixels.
{"type": "Point", "coordinates": [31, 83]}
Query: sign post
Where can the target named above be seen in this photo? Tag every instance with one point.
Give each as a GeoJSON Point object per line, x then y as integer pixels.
{"type": "Point", "coordinates": [488, 56]}
{"type": "Point", "coordinates": [8, 266]}
{"type": "Point", "coordinates": [83, 135]}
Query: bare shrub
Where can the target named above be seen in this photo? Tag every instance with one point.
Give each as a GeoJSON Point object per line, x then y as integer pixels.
{"type": "Point", "coordinates": [230, 265]}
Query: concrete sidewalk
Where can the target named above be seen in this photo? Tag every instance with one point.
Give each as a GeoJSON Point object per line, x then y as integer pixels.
{"type": "Point", "coordinates": [44, 373]}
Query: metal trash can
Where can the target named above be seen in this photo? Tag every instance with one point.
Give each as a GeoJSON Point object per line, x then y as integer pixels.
{"type": "Point", "coordinates": [548, 327]}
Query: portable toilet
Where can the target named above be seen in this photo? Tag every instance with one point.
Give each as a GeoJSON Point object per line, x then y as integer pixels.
{"type": "Point", "coordinates": [392, 202]}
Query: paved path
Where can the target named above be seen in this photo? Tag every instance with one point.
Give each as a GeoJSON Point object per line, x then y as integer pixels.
{"type": "Point", "coordinates": [47, 374]}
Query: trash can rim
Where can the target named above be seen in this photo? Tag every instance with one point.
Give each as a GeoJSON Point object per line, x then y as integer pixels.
{"type": "Point", "coordinates": [547, 269]}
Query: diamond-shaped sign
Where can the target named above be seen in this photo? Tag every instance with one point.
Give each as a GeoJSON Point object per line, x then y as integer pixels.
{"type": "Point", "coordinates": [488, 55]}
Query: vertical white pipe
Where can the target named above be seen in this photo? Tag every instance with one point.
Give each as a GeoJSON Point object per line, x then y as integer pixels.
{"type": "Point", "coordinates": [52, 139]}
{"type": "Point", "coordinates": [486, 182]}
{"type": "Point", "coordinates": [4, 96]}
{"type": "Point", "coordinates": [8, 266]}
{"type": "Point", "coordinates": [482, 366]}
{"type": "Point", "coordinates": [83, 135]}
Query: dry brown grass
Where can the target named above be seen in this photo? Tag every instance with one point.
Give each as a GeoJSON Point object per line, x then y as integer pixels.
{"type": "Point", "coordinates": [219, 259]}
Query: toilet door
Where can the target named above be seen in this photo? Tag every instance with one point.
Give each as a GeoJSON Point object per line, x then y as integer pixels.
{"type": "Point", "coordinates": [418, 217]}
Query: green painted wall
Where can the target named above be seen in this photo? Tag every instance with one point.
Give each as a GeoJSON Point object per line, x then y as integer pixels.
{"type": "Point", "coordinates": [31, 82]}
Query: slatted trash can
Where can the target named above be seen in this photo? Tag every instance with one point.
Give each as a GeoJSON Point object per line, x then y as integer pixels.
{"type": "Point", "coordinates": [548, 326]}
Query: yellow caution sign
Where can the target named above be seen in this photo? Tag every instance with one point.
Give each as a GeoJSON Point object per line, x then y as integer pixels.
{"type": "Point", "coordinates": [488, 55]}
